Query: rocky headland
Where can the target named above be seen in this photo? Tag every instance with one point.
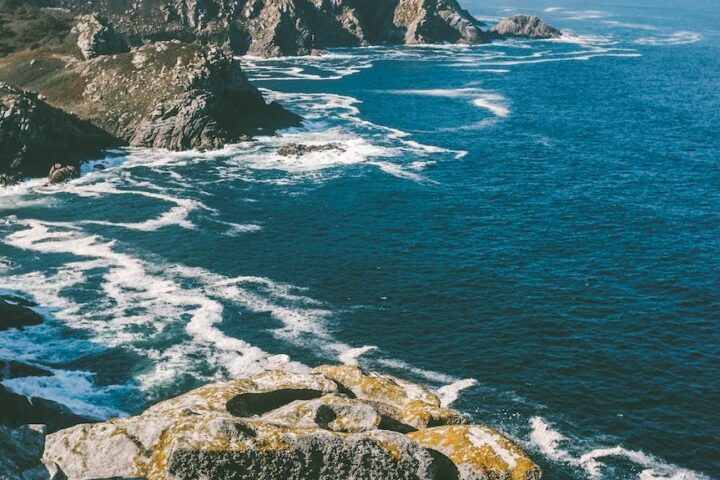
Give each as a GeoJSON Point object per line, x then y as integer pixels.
{"type": "Point", "coordinates": [81, 77]}
{"type": "Point", "coordinates": [334, 422]}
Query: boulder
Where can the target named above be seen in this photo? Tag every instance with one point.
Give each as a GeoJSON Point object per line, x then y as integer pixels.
{"type": "Point", "coordinates": [16, 315]}
{"type": "Point", "coordinates": [286, 425]}
{"type": "Point", "coordinates": [404, 406]}
{"type": "Point", "coordinates": [479, 452]}
{"type": "Point", "coordinates": [34, 136]}
{"type": "Point", "coordinates": [96, 36]}
{"type": "Point", "coordinates": [60, 173]}
{"type": "Point", "coordinates": [525, 26]}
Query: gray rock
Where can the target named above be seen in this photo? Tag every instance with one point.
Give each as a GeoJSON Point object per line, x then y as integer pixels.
{"type": "Point", "coordinates": [300, 149]}
{"type": "Point", "coordinates": [21, 448]}
{"type": "Point", "coordinates": [526, 27]}
{"type": "Point", "coordinates": [96, 36]}
{"type": "Point", "coordinates": [34, 136]}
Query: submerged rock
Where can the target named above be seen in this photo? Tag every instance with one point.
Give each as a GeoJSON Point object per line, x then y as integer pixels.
{"type": "Point", "coordinates": [280, 424]}
{"type": "Point", "coordinates": [300, 149]}
{"type": "Point", "coordinates": [34, 136]}
{"type": "Point", "coordinates": [14, 369]}
{"type": "Point", "coordinates": [14, 314]}
{"type": "Point", "coordinates": [527, 27]}
{"type": "Point", "coordinates": [19, 410]}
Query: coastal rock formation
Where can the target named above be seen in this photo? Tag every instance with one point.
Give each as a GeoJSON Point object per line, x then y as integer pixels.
{"type": "Point", "coordinates": [300, 149]}
{"type": "Point", "coordinates": [16, 312]}
{"type": "Point", "coordinates": [21, 451]}
{"type": "Point", "coordinates": [96, 36]}
{"type": "Point", "coordinates": [287, 27]}
{"type": "Point", "coordinates": [326, 424]}
{"type": "Point", "coordinates": [163, 95]}
{"type": "Point", "coordinates": [34, 136]}
{"type": "Point", "coordinates": [477, 448]}
{"type": "Point", "coordinates": [526, 27]}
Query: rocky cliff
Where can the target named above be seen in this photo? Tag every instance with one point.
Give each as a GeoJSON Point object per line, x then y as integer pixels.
{"type": "Point", "coordinates": [336, 422]}
{"type": "Point", "coordinates": [286, 27]}
{"type": "Point", "coordinates": [93, 93]}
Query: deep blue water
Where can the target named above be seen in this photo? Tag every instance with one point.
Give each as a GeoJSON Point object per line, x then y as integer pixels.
{"type": "Point", "coordinates": [533, 227]}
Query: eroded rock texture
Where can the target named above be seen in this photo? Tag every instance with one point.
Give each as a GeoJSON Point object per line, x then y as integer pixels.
{"type": "Point", "coordinates": [326, 424]}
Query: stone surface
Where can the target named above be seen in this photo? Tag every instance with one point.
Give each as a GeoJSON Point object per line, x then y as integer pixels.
{"type": "Point", "coordinates": [34, 136]}
{"type": "Point", "coordinates": [96, 36]}
{"type": "Point", "coordinates": [21, 451]}
{"type": "Point", "coordinates": [404, 406]}
{"type": "Point", "coordinates": [479, 452]}
{"type": "Point", "coordinates": [286, 425]}
{"type": "Point", "coordinates": [525, 26]}
{"type": "Point", "coordinates": [330, 412]}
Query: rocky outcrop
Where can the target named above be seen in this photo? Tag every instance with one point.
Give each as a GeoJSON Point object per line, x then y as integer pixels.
{"type": "Point", "coordinates": [300, 149]}
{"type": "Point", "coordinates": [21, 452]}
{"type": "Point", "coordinates": [96, 37]}
{"type": "Point", "coordinates": [526, 27]}
{"type": "Point", "coordinates": [287, 27]}
{"type": "Point", "coordinates": [326, 424]}
{"type": "Point", "coordinates": [16, 312]}
{"type": "Point", "coordinates": [34, 136]}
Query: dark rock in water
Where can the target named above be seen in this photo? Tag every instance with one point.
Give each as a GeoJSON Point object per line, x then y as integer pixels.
{"type": "Point", "coordinates": [60, 173]}
{"type": "Point", "coordinates": [13, 369]}
{"type": "Point", "coordinates": [19, 410]}
{"type": "Point", "coordinates": [21, 451]}
{"type": "Point", "coordinates": [287, 27]}
{"type": "Point", "coordinates": [526, 27]}
{"type": "Point", "coordinates": [299, 149]}
{"type": "Point", "coordinates": [34, 135]}
{"type": "Point", "coordinates": [8, 180]}
{"type": "Point", "coordinates": [96, 36]}
{"type": "Point", "coordinates": [14, 315]}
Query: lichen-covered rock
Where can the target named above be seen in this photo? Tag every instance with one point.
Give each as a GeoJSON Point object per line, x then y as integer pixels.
{"type": "Point", "coordinates": [404, 406]}
{"type": "Point", "coordinates": [96, 36]}
{"type": "Point", "coordinates": [479, 452]}
{"type": "Point", "coordinates": [34, 135]}
{"type": "Point", "coordinates": [233, 449]}
{"type": "Point", "coordinates": [525, 26]}
{"type": "Point", "coordinates": [331, 412]}
{"type": "Point", "coordinates": [321, 425]}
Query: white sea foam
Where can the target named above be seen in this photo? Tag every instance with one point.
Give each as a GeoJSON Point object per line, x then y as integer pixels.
{"type": "Point", "coordinates": [74, 389]}
{"type": "Point", "coordinates": [350, 355]}
{"type": "Point", "coordinates": [491, 101]}
{"type": "Point", "coordinates": [449, 393]}
{"type": "Point", "coordinates": [557, 447]}
{"type": "Point", "coordinates": [677, 38]}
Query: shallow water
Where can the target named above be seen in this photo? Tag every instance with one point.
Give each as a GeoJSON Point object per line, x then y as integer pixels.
{"type": "Point", "coordinates": [531, 228]}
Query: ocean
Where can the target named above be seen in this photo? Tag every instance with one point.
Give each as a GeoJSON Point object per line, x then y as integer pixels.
{"type": "Point", "coordinates": [529, 228]}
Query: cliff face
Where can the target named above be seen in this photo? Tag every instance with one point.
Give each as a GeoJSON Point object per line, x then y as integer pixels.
{"type": "Point", "coordinates": [287, 27]}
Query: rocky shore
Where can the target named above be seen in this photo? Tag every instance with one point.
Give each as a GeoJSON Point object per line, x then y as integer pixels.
{"type": "Point", "coordinates": [333, 422]}
{"type": "Point", "coordinates": [81, 77]}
